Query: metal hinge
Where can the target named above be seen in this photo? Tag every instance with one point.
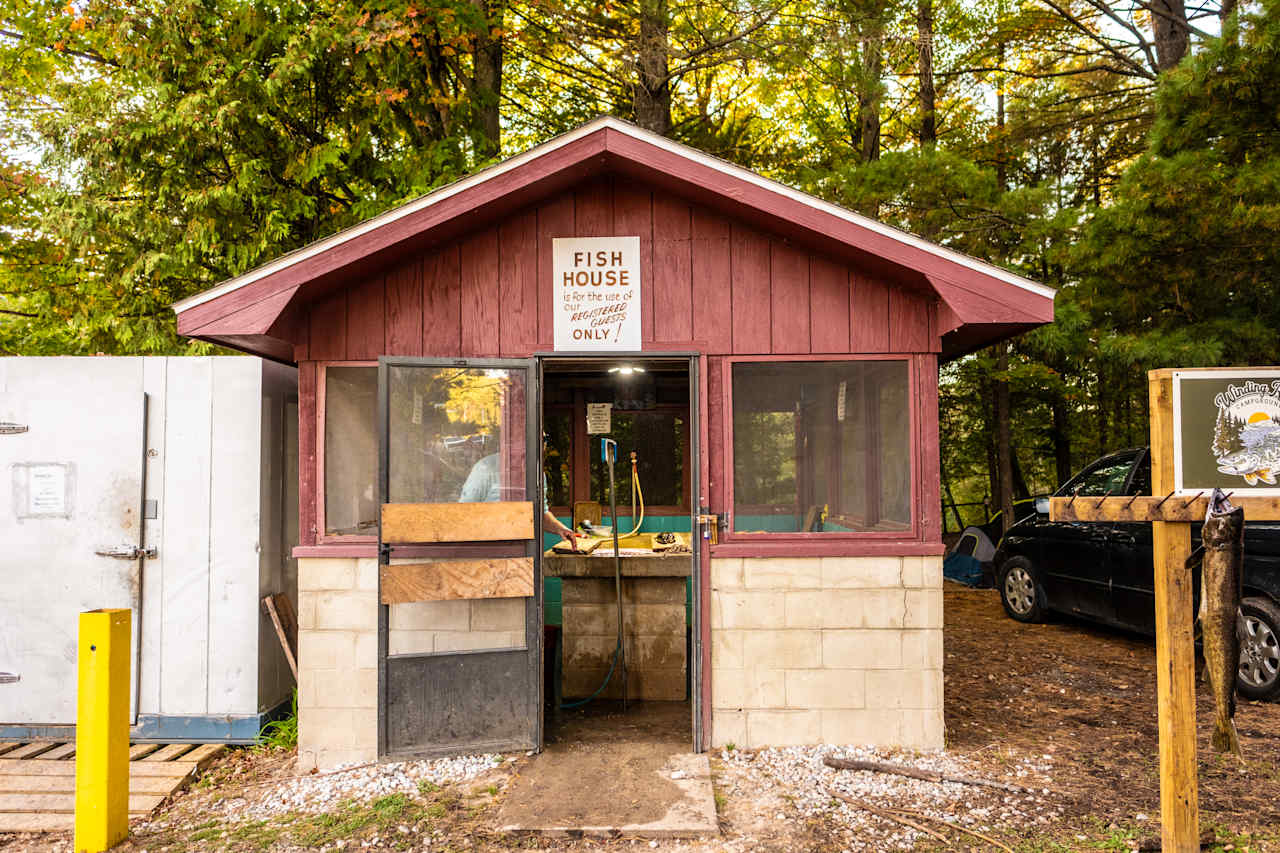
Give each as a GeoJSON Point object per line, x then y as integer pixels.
{"type": "Point", "coordinates": [127, 552]}
{"type": "Point", "coordinates": [8, 428]}
{"type": "Point", "coordinates": [9, 678]}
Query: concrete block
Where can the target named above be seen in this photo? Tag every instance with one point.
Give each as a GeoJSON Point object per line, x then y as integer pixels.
{"type": "Point", "coordinates": [883, 608]}
{"type": "Point", "coordinates": [782, 572]}
{"type": "Point", "coordinates": [729, 688]}
{"type": "Point", "coordinates": [861, 572]}
{"type": "Point", "coordinates": [328, 759]}
{"type": "Point", "coordinates": [602, 619]}
{"type": "Point", "coordinates": [783, 728]}
{"type": "Point", "coordinates": [307, 609]}
{"type": "Point", "coordinates": [796, 649]}
{"type": "Point", "coordinates": [748, 610]}
{"type": "Point", "coordinates": [931, 570]}
{"type": "Point", "coordinates": [825, 688]}
{"type": "Point", "coordinates": [321, 729]}
{"type": "Point", "coordinates": [354, 689]}
{"type": "Point", "coordinates": [657, 684]}
{"type": "Point", "coordinates": [643, 650]}
{"type": "Point", "coordinates": [728, 727]}
{"type": "Point", "coordinates": [586, 591]}
{"type": "Point", "coordinates": [913, 571]}
{"type": "Point", "coordinates": [726, 573]}
{"type": "Point", "coordinates": [430, 616]}
{"type": "Point", "coordinates": [367, 649]}
{"type": "Point", "coordinates": [899, 689]}
{"type": "Point", "coordinates": [364, 723]}
{"type": "Point", "coordinates": [862, 649]}
{"type": "Point", "coordinates": [354, 610]}
{"type": "Point", "coordinates": [922, 649]}
{"type": "Point", "coordinates": [862, 727]}
{"type": "Point", "coordinates": [498, 614]}
{"type": "Point", "coordinates": [923, 608]}
{"type": "Point", "coordinates": [652, 590]}
{"type": "Point", "coordinates": [367, 574]}
{"type": "Point", "coordinates": [326, 573]}
{"type": "Point", "coordinates": [748, 688]}
{"type": "Point", "coordinates": [465, 641]}
{"type": "Point", "coordinates": [804, 609]}
{"type": "Point", "coordinates": [726, 649]}
{"type": "Point", "coordinates": [922, 729]}
{"type": "Point", "coordinates": [332, 650]}
{"type": "Point", "coordinates": [401, 641]}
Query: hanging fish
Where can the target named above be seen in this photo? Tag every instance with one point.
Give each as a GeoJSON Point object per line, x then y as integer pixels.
{"type": "Point", "coordinates": [1221, 576]}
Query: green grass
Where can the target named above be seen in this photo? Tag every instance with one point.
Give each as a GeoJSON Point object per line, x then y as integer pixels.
{"type": "Point", "coordinates": [426, 786]}
{"type": "Point", "coordinates": [282, 733]}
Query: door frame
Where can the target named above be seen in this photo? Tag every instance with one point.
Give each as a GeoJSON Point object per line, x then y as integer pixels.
{"type": "Point", "coordinates": [699, 577]}
{"type": "Point", "coordinates": [534, 605]}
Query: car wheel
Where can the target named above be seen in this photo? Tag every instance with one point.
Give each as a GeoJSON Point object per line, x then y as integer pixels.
{"type": "Point", "coordinates": [1022, 597]}
{"type": "Point", "coordinates": [1259, 674]}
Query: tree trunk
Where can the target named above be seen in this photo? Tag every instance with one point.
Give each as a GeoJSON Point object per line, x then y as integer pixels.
{"type": "Point", "coordinates": [1061, 441]}
{"type": "Point", "coordinates": [928, 94]}
{"type": "Point", "coordinates": [869, 91]}
{"type": "Point", "coordinates": [1170, 31]}
{"type": "Point", "coordinates": [1004, 444]}
{"type": "Point", "coordinates": [1002, 170]}
{"type": "Point", "coordinates": [486, 89]}
{"type": "Point", "coordinates": [651, 100]}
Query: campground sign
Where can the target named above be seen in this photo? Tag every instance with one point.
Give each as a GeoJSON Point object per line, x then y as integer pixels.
{"type": "Point", "coordinates": [1226, 431]}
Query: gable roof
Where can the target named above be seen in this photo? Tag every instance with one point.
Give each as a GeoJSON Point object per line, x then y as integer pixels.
{"type": "Point", "coordinates": [981, 303]}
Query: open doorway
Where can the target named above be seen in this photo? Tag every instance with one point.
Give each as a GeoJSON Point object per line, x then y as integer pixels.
{"type": "Point", "coordinates": [647, 406]}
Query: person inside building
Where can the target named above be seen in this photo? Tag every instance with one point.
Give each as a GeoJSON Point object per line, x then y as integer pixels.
{"type": "Point", "coordinates": [484, 483]}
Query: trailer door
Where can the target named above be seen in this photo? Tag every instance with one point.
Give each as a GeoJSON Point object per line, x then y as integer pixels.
{"type": "Point", "coordinates": [460, 592]}
{"type": "Point", "coordinates": [72, 455]}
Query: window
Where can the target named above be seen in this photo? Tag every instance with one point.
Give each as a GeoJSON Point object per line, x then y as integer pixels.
{"type": "Point", "coordinates": [350, 451]}
{"type": "Point", "coordinates": [1104, 478]}
{"type": "Point", "coordinates": [821, 447]}
{"type": "Point", "coordinates": [659, 442]}
{"type": "Point", "coordinates": [557, 455]}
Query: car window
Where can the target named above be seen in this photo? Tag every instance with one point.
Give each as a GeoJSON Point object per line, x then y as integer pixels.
{"type": "Point", "coordinates": [1141, 482]}
{"type": "Point", "coordinates": [1103, 477]}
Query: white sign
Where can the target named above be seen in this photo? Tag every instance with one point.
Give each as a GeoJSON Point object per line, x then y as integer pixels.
{"type": "Point", "coordinates": [46, 490]}
{"type": "Point", "coordinates": [596, 292]}
{"type": "Point", "coordinates": [599, 418]}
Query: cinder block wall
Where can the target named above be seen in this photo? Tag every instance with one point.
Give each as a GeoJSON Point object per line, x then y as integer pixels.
{"type": "Point", "coordinates": [841, 650]}
{"type": "Point", "coordinates": [337, 661]}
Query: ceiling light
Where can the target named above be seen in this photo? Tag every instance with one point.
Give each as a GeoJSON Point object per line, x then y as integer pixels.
{"type": "Point", "coordinates": [625, 369]}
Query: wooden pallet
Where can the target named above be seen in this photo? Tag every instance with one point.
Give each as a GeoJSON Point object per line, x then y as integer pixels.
{"type": "Point", "coordinates": [38, 780]}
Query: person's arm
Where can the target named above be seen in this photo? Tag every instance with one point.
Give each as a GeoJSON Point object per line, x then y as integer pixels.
{"type": "Point", "coordinates": [552, 525]}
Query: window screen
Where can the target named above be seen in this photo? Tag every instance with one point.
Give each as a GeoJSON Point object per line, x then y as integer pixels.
{"type": "Point", "coordinates": [658, 441]}
{"type": "Point", "coordinates": [821, 447]}
{"type": "Point", "coordinates": [350, 451]}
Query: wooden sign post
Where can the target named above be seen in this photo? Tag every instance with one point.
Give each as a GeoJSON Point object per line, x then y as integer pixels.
{"type": "Point", "coordinates": [1171, 516]}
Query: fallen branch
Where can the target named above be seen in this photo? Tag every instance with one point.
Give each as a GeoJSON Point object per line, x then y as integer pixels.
{"type": "Point", "coordinates": [925, 775]}
{"type": "Point", "coordinates": [958, 827]}
{"type": "Point", "coordinates": [888, 815]}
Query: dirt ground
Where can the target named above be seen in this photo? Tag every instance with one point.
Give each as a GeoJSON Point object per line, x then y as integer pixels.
{"type": "Point", "coordinates": [1067, 696]}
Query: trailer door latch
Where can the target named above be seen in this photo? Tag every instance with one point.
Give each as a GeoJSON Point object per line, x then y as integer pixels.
{"type": "Point", "coordinates": [127, 552]}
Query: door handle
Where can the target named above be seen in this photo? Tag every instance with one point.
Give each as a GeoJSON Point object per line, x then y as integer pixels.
{"type": "Point", "coordinates": [9, 678]}
{"type": "Point", "coordinates": [127, 552]}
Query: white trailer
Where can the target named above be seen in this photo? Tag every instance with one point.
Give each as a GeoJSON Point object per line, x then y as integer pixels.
{"type": "Point", "coordinates": [166, 485]}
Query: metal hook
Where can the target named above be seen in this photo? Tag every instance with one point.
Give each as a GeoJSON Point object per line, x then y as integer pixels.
{"type": "Point", "coordinates": [1163, 499]}
{"type": "Point", "coordinates": [1098, 505]}
{"type": "Point", "coordinates": [1192, 499]}
{"type": "Point", "coordinates": [1074, 495]}
{"type": "Point", "coordinates": [1131, 500]}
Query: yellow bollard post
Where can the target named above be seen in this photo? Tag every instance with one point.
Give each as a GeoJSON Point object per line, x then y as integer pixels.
{"type": "Point", "coordinates": [102, 731]}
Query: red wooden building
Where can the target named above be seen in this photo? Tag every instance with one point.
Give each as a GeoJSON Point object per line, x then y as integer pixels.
{"type": "Point", "coordinates": [775, 362]}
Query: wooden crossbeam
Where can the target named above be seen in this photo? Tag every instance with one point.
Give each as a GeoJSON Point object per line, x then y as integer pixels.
{"type": "Point", "coordinates": [1173, 508]}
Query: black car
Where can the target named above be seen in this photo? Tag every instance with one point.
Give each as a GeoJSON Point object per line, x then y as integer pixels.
{"type": "Point", "coordinates": [1102, 571]}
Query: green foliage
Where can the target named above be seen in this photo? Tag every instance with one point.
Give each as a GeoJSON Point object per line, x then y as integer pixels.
{"type": "Point", "coordinates": [282, 733]}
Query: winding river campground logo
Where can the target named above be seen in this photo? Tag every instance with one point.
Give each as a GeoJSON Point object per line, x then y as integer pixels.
{"type": "Point", "coordinates": [1226, 430]}
{"type": "Point", "coordinates": [1246, 435]}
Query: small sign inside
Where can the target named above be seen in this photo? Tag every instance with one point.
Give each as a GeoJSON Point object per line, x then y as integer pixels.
{"type": "Point", "coordinates": [1226, 431]}
{"type": "Point", "coordinates": [596, 292]}
{"type": "Point", "coordinates": [42, 489]}
{"type": "Point", "coordinates": [599, 418]}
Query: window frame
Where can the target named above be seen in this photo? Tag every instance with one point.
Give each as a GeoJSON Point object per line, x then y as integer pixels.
{"type": "Point", "coordinates": [913, 531]}
{"type": "Point", "coordinates": [323, 537]}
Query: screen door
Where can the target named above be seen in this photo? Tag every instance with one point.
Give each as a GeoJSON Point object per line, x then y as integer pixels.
{"type": "Point", "coordinates": [460, 644]}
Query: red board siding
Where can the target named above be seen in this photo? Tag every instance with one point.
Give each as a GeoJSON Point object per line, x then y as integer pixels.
{"type": "Point", "coordinates": [789, 298]}
{"type": "Point", "coordinates": [442, 303]}
{"type": "Point", "coordinates": [828, 306]}
{"type": "Point", "coordinates": [868, 314]}
{"type": "Point", "coordinates": [478, 261]}
{"type": "Point", "coordinates": [749, 263]}
{"type": "Point", "coordinates": [366, 320]}
{"type": "Point", "coordinates": [404, 309]}
{"type": "Point", "coordinates": [329, 328]}
{"type": "Point", "coordinates": [712, 281]}
{"type": "Point", "coordinates": [555, 219]}
{"type": "Point", "coordinates": [518, 285]}
{"type": "Point", "coordinates": [633, 216]}
{"type": "Point", "coordinates": [908, 322]}
{"type": "Point", "coordinates": [307, 469]}
{"type": "Point", "coordinates": [672, 270]}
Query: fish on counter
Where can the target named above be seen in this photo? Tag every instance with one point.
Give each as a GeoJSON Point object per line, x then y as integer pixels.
{"type": "Point", "coordinates": [1221, 579]}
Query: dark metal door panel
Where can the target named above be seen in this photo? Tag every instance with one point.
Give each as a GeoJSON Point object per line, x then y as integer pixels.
{"type": "Point", "coordinates": [435, 703]}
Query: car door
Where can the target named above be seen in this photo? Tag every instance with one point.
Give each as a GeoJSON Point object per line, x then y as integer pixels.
{"type": "Point", "coordinates": [1132, 573]}
{"type": "Point", "coordinates": [1076, 557]}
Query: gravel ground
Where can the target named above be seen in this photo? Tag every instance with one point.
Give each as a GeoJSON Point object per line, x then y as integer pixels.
{"type": "Point", "coordinates": [800, 779]}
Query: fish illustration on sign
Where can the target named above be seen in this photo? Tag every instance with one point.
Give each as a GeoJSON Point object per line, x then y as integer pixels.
{"type": "Point", "coordinates": [1246, 437]}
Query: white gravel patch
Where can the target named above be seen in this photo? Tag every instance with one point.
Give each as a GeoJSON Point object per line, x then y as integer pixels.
{"type": "Point", "coordinates": [320, 792]}
{"type": "Point", "coordinates": [798, 776]}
